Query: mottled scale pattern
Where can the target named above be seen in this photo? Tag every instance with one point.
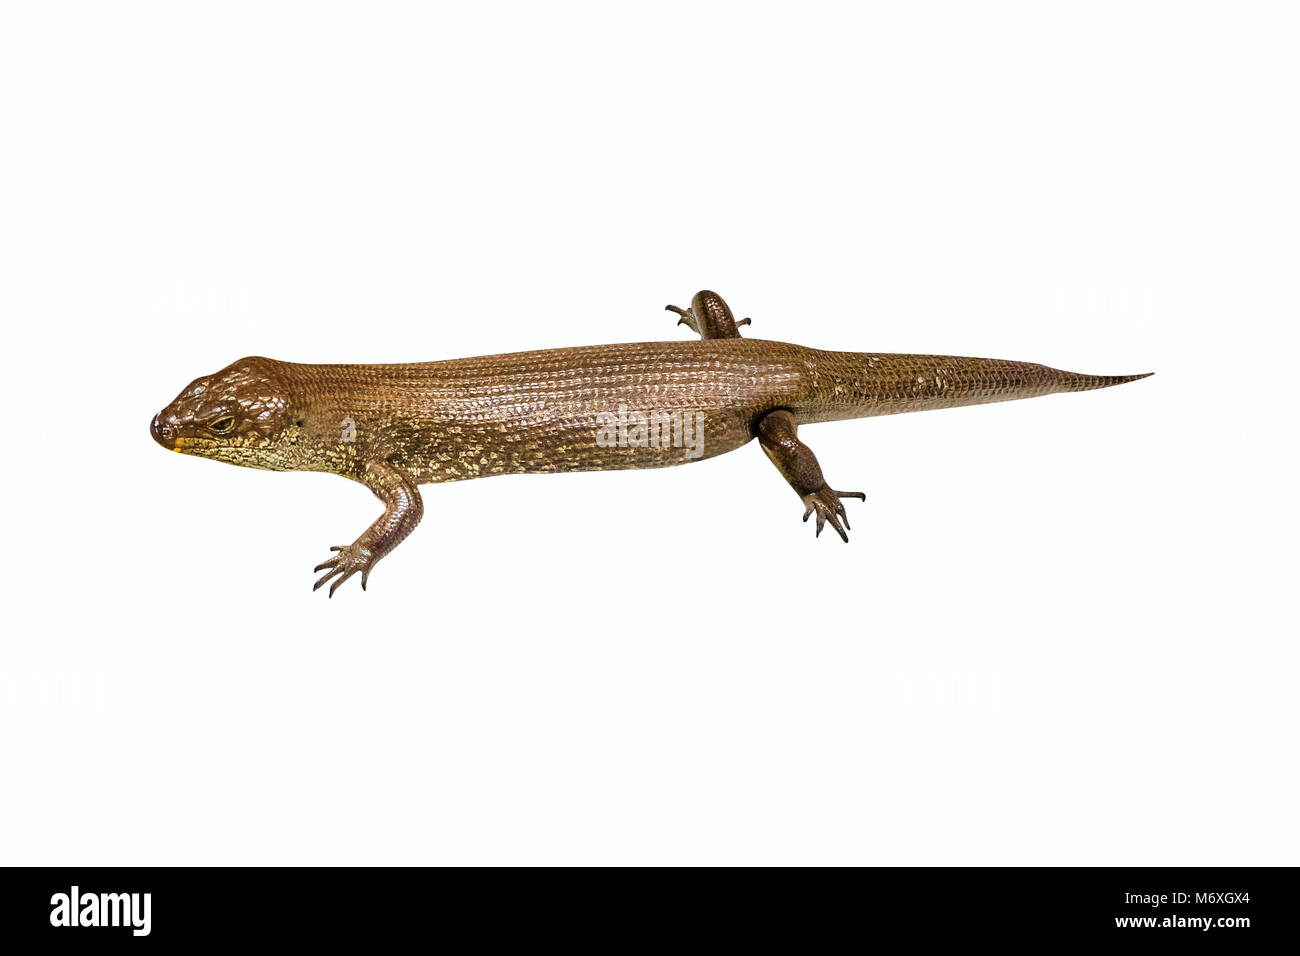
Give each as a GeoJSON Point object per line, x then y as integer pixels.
{"type": "Point", "coordinates": [537, 411]}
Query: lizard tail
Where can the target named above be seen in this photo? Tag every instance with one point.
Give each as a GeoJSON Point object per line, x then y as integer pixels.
{"type": "Point", "coordinates": [860, 385]}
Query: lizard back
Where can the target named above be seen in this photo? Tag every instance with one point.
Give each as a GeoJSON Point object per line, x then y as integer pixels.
{"type": "Point", "coordinates": [546, 411]}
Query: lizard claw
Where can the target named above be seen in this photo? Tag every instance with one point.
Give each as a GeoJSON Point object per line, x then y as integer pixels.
{"type": "Point", "coordinates": [687, 317]}
{"type": "Point", "coordinates": [825, 501]}
{"type": "Point", "coordinates": [349, 560]}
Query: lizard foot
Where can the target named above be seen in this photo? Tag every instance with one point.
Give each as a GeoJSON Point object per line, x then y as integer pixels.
{"type": "Point", "coordinates": [688, 318]}
{"type": "Point", "coordinates": [349, 560]}
{"type": "Point", "coordinates": [826, 502]}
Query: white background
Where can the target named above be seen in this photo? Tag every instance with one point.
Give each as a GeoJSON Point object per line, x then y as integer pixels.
{"type": "Point", "coordinates": [1063, 633]}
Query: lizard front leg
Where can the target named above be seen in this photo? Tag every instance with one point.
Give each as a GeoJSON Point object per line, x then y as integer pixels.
{"type": "Point", "coordinates": [402, 512]}
{"type": "Point", "coordinates": [778, 434]}
{"type": "Point", "coordinates": [710, 316]}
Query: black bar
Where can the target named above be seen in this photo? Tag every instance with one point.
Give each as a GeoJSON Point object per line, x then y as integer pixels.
{"type": "Point", "coordinates": [1223, 907]}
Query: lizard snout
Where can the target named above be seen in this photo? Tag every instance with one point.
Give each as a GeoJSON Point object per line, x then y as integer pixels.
{"type": "Point", "coordinates": [162, 432]}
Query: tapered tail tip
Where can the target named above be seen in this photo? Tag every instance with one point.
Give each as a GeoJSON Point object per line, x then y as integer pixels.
{"type": "Point", "coordinates": [1086, 382]}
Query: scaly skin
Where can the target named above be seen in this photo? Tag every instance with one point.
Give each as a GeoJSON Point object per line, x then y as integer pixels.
{"type": "Point", "coordinates": [393, 427]}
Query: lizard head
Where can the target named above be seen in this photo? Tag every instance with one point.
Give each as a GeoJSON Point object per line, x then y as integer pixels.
{"type": "Point", "coordinates": [240, 415]}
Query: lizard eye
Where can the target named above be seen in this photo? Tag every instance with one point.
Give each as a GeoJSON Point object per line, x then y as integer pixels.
{"type": "Point", "coordinates": [223, 424]}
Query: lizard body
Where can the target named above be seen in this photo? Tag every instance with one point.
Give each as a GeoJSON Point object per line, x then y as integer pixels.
{"type": "Point", "coordinates": [593, 408]}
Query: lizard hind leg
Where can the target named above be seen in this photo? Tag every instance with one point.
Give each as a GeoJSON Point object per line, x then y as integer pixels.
{"type": "Point", "coordinates": [709, 316]}
{"type": "Point", "coordinates": [778, 436]}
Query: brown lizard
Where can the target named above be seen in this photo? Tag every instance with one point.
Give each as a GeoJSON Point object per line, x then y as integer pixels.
{"type": "Point", "coordinates": [595, 408]}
